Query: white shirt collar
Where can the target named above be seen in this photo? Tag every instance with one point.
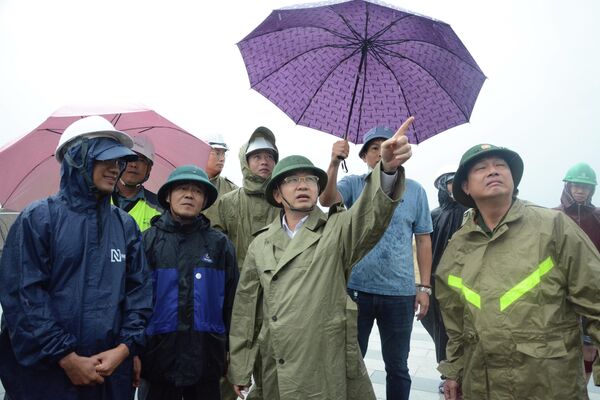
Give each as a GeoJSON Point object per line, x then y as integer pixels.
{"type": "Point", "coordinates": [292, 233]}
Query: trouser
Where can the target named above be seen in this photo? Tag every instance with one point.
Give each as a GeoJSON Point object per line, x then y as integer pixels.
{"type": "Point", "coordinates": [434, 325]}
{"type": "Point", "coordinates": [203, 390]}
{"type": "Point", "coordinates": [394, 315]}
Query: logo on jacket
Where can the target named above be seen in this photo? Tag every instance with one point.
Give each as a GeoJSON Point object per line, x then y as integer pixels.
{"type": "Point", "coordinates": [206, 258]}
{"type": "Point", "coordinates": [116, 255]}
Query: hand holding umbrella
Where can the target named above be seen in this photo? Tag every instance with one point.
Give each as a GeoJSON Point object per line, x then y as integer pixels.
{"type": "Point", "coordinates": [396, 150]}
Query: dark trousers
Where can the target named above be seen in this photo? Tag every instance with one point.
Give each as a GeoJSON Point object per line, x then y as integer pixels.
{"type": "Point", "coordinates": [434, 325]}
{"type": "Point", "coordinates": [204, 390]}
{"type": "Point", "coordinates": [394, 315]}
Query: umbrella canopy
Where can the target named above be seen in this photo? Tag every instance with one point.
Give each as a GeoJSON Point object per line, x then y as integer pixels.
{"type": "Point", "coordinates": [345, 68]}
{"type": "Point", "coordinates": [31, 172]}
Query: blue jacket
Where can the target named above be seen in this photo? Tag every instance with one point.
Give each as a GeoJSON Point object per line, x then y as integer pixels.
{"type": "Point", "coordinates": [73, 277]}
{"type": "Point", "coordinates": [195, 277]}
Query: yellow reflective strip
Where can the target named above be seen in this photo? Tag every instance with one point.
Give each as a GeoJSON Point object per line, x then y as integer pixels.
{"type": "Point", "coordinates": [526, 284]}
{"type": "Point", "coordinates": [471, 296]}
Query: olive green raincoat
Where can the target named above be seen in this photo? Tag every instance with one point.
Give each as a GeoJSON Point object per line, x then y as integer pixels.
{"type": "Point", "coordinates": [244, 211]}
{"type": "Point", "coordinates": [223, 186]}
{"type": "Point", "coordinates": [511, 304]}
{"type": "Point", "coordinates": [307, 341]}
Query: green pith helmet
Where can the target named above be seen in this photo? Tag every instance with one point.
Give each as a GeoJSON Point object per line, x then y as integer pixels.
{"type": "Point", "coordinates": [188, 173]}
{"type": "Point", "coordinates": [475, 154]}
{"type": "Point", "coordinates": [581, 173]}
{"type": "Point", "coordinates": [287, 167]}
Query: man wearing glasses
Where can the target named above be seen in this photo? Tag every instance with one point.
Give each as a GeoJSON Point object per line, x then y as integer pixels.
{"type": "Point", "coordinates": [214, 167]}
{"type": "Point", "coordinates": [292, 287]}
{"type": "Point", "coordinates": [131, 196]}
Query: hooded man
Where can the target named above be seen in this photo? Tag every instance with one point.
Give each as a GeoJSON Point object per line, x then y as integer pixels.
{"type": "Point", "coordinates": [296, 273]}
{"type": "Point", "coordinates": [446, 219]}
{"type": "Point", "coordinates": [245, 211]}
{"type": "Point", "coordinates": [576, 202]}
{"type": "Point", "coordinates": [74, 285]}
{"type": "Point", "coordinates": [214, 167]}
{"type": "Point", "coordinates": [512, 285]}
{"type": "Point", "coordinates": [131, 195]}
{"type": "Point", "coordinates": [194, 269]}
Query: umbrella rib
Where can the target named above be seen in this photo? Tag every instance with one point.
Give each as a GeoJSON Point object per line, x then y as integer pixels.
{"type": "Point", "coordinates": [383, 43]}
{"type": "Point", "coordinates": [322, 83]}
{"type": "Point", "coordinates": [354, 32]}
{"type": "Point", "coordinates": [298, 56]}
{"type": "Point", "coordinates": [25, 177]}
{"type": "Point", "coordinates": [382, 62]}
{"type": "Point", "coordinates": [383, 30]}
{"type": "Point", "coordinates": [388, 52]}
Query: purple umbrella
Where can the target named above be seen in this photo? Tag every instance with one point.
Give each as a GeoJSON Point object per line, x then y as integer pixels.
{"type": "Point", "coordinates": [347, 67]}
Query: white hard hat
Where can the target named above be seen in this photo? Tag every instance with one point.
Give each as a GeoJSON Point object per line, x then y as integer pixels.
{"type": "Point", "coordinates": [217, 141]}
{"type": "Point", "coordinates": [144, 146]}
{"type": "Point", "coordinates": [90, 127]}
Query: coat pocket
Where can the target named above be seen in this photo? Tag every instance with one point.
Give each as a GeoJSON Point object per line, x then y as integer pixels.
{"type": "Point", "coordinates": [354, 363]}
{"type": "Point", "coordinates": [548, 349]}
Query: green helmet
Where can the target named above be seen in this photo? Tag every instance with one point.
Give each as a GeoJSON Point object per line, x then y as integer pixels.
{"type": "Point", "coordinates": [190, 173]}
{"type": "Point", "coordinates": [581, 173]}
{"type": "Point", "coordinates": [288, 166]}
{"type": "Point", "coordinates": [476, 153]}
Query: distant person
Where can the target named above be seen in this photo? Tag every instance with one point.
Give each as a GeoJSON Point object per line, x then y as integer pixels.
{"type": "Point", "coordinates": [214, 167]}
{"type": "Point", "coordinates": [195, 276]}
{"type": "Point", "coordinates": [446, 219]}
{"type": "Point", "coordinates": [512, 285]}
{"type": "Point", "coordinates": [74, 285]}
{"type": "Point", "coordinates": [576, 202]}
{"type": "Point", "coordinates": [383, 282]}
{"type": "Point", "coordinates": [131, 195]}
{"type": "Point", "coordinates": [245, 211]}
{"type": "Point", "coordinates": [296, 272]}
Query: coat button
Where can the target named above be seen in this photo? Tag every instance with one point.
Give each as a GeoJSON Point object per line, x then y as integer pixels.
{"type": "Point", "coordinates": [275, 277]}
{"type": "Point", "coordinates": [274, 317]}
{"type": "Point", "coordinates": [281, 361]}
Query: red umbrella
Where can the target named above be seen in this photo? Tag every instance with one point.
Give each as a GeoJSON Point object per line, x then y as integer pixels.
{"type": "Point", "coordinates": [31, 171]}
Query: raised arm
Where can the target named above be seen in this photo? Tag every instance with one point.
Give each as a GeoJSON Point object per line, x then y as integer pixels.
{"type": "Point", "coordinates": [330, 195]}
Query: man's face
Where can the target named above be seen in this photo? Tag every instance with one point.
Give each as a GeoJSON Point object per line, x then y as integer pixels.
{"type": "Point", "coordinates": [261, 163]}
{"type": "Point", "coordinates": [186, 200]}
{"type": "Point", "coordinates": [136, 171]}
{"type": "Point", "coordinates": [300, 191]}
{"type": "Point", "coordinates": [216, 162]}
{"type": "Point", "coordinates": [489, 178]}
{"type": "Point", "coordinates": [581, 192]}
{"type": "Point", "coordinates": [373, 153]}
{"type": "Point", "coordinates": [105, 174]}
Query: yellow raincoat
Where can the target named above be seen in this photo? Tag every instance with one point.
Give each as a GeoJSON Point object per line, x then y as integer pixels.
{"type": "Point", "coordinates": [511, 305]}
{"type": "Point", "coordinates": [307, 341]}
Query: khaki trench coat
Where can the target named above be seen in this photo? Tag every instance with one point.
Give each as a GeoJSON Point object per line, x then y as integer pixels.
{"type": "Point", "coordinates": [511, 305]}
{"type": "Point", "coordinates": [244, 211]}
{"type": "Point", "coordinates": [308, 342]}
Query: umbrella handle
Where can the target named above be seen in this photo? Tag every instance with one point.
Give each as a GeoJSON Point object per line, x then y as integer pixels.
{"type": "Point", "coordinates": [344, 166]}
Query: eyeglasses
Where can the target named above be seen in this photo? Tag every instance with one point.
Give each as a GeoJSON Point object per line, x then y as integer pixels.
{"type": "Point", "coordinates": [218, 153]}
{"type": "Point", "coordinates": [295, 180]}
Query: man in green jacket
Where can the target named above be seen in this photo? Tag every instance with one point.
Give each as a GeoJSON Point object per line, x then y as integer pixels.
{"type": "Point", "coordinates": [512, 285]}
{"type": "Point", "coordinates": [296, 273]}
{"type": "Point", "coordinates": [242, 212]}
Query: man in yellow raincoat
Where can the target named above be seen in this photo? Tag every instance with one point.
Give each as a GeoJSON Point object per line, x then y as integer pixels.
{"type": "Point", "coordinates": [512, 284]}
{"type": "Point", "coordinates": [296, 271]}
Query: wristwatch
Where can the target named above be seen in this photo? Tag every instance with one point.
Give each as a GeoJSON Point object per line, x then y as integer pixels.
{"type": "Point", "coordinates": [426, 289]}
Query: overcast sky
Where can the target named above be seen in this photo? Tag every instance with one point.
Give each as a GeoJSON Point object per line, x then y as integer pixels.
{"type": "Point", "coordinates": [541, 57]}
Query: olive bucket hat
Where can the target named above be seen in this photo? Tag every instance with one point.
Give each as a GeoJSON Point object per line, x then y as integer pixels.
{"type": "Point", "coordinates": [475, 154]}
{"type": "Point", "coordinates": [288, 166]}
{"type": "Point", "coordinates": [188, 173]}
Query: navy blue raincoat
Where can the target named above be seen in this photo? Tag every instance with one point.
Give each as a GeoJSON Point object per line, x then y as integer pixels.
{"type": "Point", "coordinates": [73, 278]}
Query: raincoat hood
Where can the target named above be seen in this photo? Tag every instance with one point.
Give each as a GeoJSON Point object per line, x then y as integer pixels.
{"type": "Point", "coordinates": [568, 202]}
{"type": "Point", "coordinates": [76, 184]}
{"type": "Point", "coordinates": [254, 184]}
